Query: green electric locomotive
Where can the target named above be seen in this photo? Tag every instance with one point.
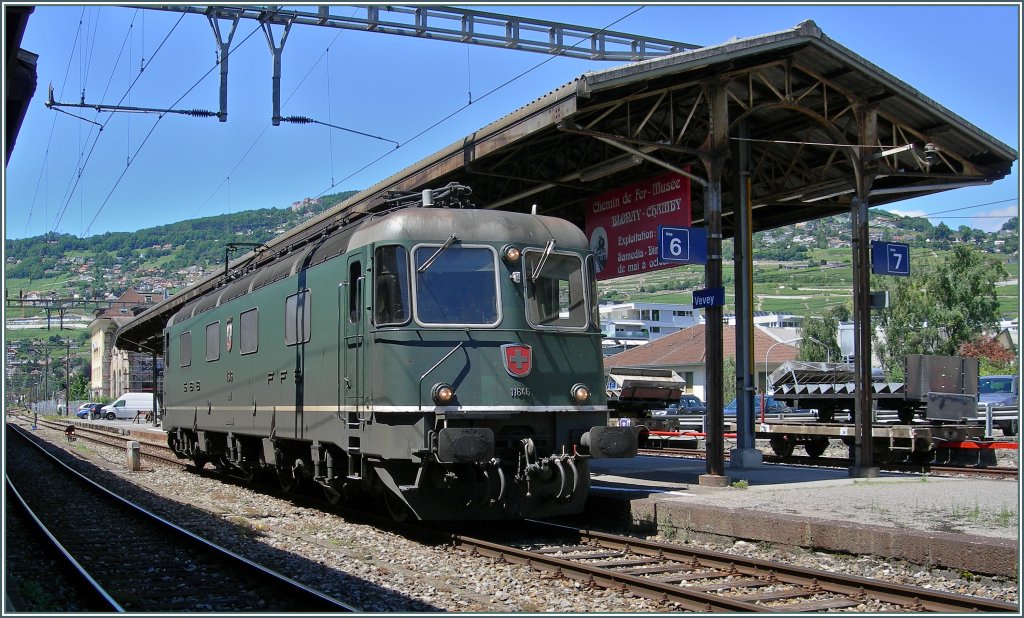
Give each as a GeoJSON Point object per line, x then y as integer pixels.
{"type": "Point", "coordinates": [446, 360]}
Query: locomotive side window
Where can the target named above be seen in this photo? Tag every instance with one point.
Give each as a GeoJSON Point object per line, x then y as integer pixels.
{"type": "Point", "coordinates": [456, 285]}
{"type": "Point", "coordinates": [391, 285]}
{"type": "Point", "coordinates": [213, 341]}
{"type": "Point", "coordinates": [296, 318]}
{"type": "Point", "coordinates": [595, 311]}
{"type": "Point", "coordinates": [355, 287]}
{"type": "Point", "coordinates": [556, 296]}
{"type": "Point", "coordinates": [185, 349]}
{"type": "Point", "coordinates": [249, 331]}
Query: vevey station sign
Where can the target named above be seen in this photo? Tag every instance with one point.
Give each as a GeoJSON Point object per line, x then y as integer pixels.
{"type": "Point", "coordinates": [622, 225]}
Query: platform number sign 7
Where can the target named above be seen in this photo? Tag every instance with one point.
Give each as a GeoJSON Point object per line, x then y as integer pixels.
{"type": "Point", "coordinates": [890, 258]}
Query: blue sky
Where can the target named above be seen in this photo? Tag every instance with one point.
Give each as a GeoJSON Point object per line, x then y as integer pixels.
{"type": "Point", "coordinates": [141, 171]}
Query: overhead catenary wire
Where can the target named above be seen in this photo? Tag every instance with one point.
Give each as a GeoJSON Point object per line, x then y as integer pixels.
{"type": "Point", "coordinates": [89, 157]}
{"type": "Point", "coordinates": [466, 106]}
{"type": "Point", "coordinates": [155, 124]}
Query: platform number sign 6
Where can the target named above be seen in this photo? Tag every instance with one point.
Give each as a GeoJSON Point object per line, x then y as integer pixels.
{"type": "Point", "coordinates": [682, 245]}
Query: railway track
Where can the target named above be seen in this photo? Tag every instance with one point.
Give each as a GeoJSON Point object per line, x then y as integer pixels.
{"type": "Point", "coordinates": [152, 451]}
{"type": "Point", "coordinates": [844, 462]}
{"type": "Point", "coordinates": [706, 581]}
{"type": "Point", "coordinates": [136, 559]}
{"type": "Point", "coordinates": [161, 453]}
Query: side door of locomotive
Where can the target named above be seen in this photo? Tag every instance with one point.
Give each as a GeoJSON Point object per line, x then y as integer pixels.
{"type": "Point", "coordinates": [351, 329]}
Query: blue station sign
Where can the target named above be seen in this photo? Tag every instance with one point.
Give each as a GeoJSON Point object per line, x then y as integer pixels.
{"type": "Point", "coordinates": [890, 258]}
{"type": "Point", "coordinates": [682, 245]}
{"type": "Point", "coordinates": [709, 297]}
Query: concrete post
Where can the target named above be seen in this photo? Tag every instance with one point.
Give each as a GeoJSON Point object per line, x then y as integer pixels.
{"type": "Point", "coordinates": [134, 456]}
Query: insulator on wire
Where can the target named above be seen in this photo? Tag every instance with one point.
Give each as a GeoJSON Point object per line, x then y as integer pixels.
{"type": "Point", "coordinates": [200, 113]}
{"type": "Point", "coordinates": [298, 119]}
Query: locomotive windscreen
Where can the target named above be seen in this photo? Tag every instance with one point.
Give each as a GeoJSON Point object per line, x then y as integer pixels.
{"type": "Point", "coordinates": [458, 287]}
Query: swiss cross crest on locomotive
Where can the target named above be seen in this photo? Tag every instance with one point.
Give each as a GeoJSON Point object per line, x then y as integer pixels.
{"type": "Point", "coordinates": [517, 358]}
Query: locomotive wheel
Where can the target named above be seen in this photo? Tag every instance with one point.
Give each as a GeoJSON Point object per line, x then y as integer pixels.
{"type": "Point", "coordinates": [396, 508]}
{"type": "Point", "coordinates": [199, 462]}
{"type": "Point", "coordinates": [286, 480]}
{"type": "Point", "coordinates": [816, 448]}
{"type": "Point", "coordinates": [782, 445]}
{"type": "Point", "coordinates": [332, 495]}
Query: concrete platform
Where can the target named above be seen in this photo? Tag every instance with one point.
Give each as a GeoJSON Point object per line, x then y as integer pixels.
{"type": "Point", "coordinates": [958, 523]}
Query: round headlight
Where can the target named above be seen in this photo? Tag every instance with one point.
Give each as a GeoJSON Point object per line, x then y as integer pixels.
{"type": "Point", "coordinates": [442, 393]}
{"type": "Point", "coordinates": [511, 254]}
{"type": "Point", "coordinates": [580, 393]}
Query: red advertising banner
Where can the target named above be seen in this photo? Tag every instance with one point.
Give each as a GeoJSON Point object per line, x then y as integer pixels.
{"type": "Point", "coordinates": [622, 225]}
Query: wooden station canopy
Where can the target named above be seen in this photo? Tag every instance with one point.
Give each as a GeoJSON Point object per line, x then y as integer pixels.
{"type": "Point", "coordinates": [820, 121]}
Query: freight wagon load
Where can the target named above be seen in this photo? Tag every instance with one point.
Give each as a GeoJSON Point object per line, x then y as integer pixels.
{"type": "Point", "coordinates": [937, 388]}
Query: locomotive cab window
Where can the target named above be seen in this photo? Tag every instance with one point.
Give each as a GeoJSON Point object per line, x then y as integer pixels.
{"type": "Point", "coordinates": [296, 318]}
{"type": "Point", "coordinates": [456, 284]}
{"type": "Point", "coordinates": [213, 341]}
{"type": "Point", "coordinates": [391, 286]}
{"type": "Point", "coordinates": [556, 296]}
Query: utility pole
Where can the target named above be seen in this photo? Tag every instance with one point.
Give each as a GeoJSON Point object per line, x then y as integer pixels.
{"type": "Point", "coordinates": [67, 371]}
{"type": "Point", "coordinates": [46, 374]}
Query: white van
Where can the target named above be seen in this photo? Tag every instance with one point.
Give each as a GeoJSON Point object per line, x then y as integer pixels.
{"type": "Point", "coordinates": [128, 406]}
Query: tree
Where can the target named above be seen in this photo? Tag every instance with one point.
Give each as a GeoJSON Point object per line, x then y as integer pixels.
{"type": "Point", "coordinates": [964, 287]}
{"type": "Point", "coordinates": [729, 379]}
{"type": "Point", "coordinates": [79, 387]}
{"type": "Point", "coordinates": [965, 233]}
{"type": "Point", "coordinates": [935, 313]}
{"type": "Point", "coordinates": [826, 331]}
{"type": "Point", "coordinates": [992, 357]}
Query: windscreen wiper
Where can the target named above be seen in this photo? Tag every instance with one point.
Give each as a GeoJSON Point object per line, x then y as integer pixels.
{"type": "Point", "coordinates": [451, 239]}
{"type": "Point", "coordinates": [543, 260]}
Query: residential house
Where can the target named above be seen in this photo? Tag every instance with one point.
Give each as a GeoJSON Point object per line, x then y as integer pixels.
{"type": "Point", "coordinates": [684, 352]}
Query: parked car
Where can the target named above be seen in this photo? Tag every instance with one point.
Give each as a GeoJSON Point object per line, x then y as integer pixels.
{"type": "Point", "coordinates": [86, 408]}
{"type": "Point", "coordinates": [128, 406]}
{"type": "Point", "coordinates": [94, 411]}
{"type": "Point", "coordinates": [771, 406]}
{"type": "Point", "coordinates": [688, 404]}
{"type": "Point", "coordinates": [998, 390]}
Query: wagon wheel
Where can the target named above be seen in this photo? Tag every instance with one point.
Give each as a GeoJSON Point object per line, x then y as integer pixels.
{"type": "Point", "coordinates": [1010, 428]}
{"type": "Point", "coordinates": [884, 455]}
{"type": "Point", "coordinates": [921, 458]}
{"type": "Point", "coordinates": [782, 445]}
{"type": "Point", "coordinates": [816, 447]}
{"type": "Point", "coordinates": [199, 462]}
{"type": "Point", "coordinates": [906, 415]}
{"type": "Point", "coordinates": [826, 414]}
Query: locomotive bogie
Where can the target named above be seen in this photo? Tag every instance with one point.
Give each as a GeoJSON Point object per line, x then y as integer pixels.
{"type": "Point", "coordinates": [446, 360]}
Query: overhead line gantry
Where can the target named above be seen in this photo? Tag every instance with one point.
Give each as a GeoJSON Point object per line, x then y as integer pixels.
{"type": "Point", "coordinates": [439, 23]}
